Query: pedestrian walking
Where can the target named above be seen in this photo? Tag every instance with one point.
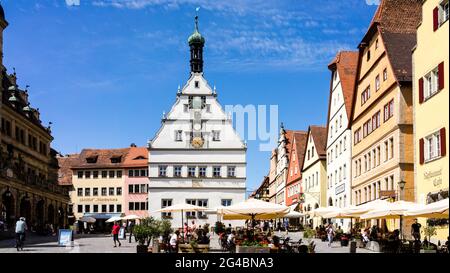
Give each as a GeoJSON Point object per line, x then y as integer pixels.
{"type": "Point", "coordinates": [286, 225]}
{"type": "Point", "coordinates": [131, 227]}
{"type": "Point", "coordinates": [21, 227]}
{"type": "Point", "coordinates": [330, 233]}
{"type": "Point", "coordinates": [115, 233]}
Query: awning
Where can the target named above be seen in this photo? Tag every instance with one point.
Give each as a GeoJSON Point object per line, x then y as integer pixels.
{"type": "Point", "coordinates": [102, 216]}
{"type": "Point", "coordinates": [293, 207]}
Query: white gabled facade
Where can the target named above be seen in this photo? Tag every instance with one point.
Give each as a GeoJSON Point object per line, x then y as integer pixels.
{"type": "Point", "coordinates": [339, 153]}
{"type": "Point", "coordinates": [196, 156]}
{"type": "Point", "coordinates": [281, 168]}
{"type": "Point", "coordinates": [313, 173]}
{"type": "Point", "coordinates": [339, 136]}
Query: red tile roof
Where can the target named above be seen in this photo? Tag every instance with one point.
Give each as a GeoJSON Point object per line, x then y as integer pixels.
{"type": "Point", "coordinates": [301, 141]}
{"type": "Point", "coordinates": [319, 135]}
{"type": "Point", "coordinates": [346, 64]}
{"type": "Point", "coordinates": [398, 47]}
{"type": "Point", "coordinates": [397, 21]}
{"type": "Point", "coordinates": [136, 157]}
{"type": "Point", "coordinates": [65, 172]}
{"type": "Point", "coordinates": [398, 16]}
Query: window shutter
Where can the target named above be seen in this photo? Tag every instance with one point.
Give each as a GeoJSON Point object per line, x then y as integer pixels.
{"type": "Point", "coordinates": [435, 18]}
{"type": "Point", "coordinates": [443, 140]}
{"type": "Point", "coordinates": [420, 90]}
{"type": "Point", "coordinates": [421, 155]}
{"type": "Point", "coordinates": [441, 76]}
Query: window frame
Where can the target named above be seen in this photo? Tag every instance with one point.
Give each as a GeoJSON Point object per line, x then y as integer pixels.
{"type": "Point", "coordinates": [215, 173]}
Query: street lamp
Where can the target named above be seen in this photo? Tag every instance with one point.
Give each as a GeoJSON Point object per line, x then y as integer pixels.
{"type": "Point", "coordinates": [401, 185]}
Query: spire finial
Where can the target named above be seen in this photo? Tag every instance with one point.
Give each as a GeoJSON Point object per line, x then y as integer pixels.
{"type": "Point", "coordinates": [196, 18]}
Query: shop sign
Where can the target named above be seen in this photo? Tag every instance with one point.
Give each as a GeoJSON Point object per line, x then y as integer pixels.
{"type": "Point", "coordinates": [98, 200]}
{"type": "Point", "coordinates": [434, 176]}
{"type": "Point", "coordinates": [340, 189]}
{"type": "Point", "coordinates": [65, 237]}
{"type": "Point", "coordinates": [388, 194]}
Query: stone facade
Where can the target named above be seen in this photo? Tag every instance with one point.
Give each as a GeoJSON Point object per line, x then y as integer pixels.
{"type": "Point", "coordinates": [28, 166]}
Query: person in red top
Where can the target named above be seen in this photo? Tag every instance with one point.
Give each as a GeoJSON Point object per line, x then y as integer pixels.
{"type": "Point", "coordinates": [115, 232]}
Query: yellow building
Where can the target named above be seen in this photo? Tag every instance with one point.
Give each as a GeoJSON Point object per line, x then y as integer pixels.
{"type": "Point", "coordinates": [98, 179]}
{"type": "Point", "coordinates": [314, 172]}
{"type": "Point", "coordinates": [431, 107]}
{"type": "Point", "coordinates": [382, 119]}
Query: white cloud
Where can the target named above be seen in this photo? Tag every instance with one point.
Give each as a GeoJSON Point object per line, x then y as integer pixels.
{"type": "Point", "coordinates": [259, 32]}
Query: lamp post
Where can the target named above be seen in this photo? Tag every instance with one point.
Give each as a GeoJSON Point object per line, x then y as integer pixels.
{"type": "Point", "coordinates": [401, 185]}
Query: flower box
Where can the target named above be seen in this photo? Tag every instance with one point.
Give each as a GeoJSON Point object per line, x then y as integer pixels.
{"type": "Point", "coordinates": [252, 249]}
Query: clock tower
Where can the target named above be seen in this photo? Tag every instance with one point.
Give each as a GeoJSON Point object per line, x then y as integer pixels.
{"type": "Point", "coordinates": [196, 157]}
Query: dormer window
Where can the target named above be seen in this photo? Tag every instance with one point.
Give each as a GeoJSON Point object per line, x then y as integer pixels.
{"type": "Point", "coordinates": [197, 84]}
{"type": "Point", "coordinates": [92, 159]}
{"type": "Point", "coordinates": [116, 159]}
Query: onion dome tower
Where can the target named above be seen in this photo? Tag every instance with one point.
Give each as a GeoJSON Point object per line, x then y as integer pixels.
{"type": "Point", "coordinates": [196, 43]}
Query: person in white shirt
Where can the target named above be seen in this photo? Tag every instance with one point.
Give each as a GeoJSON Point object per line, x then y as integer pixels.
{"type": "Point", "coordinates": [174, 242]}
{"type": "Point", "coordinates": [231, 241]}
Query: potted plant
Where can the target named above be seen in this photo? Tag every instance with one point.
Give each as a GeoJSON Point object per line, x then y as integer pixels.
{"type": "Point", "coordinates": [359, 241]}
{"type": "Point", "coordinates": [141, 232]}
{"type": "Point", "coordinates": [427, 247]}
{"type": "Point", "coordinates": [344, 240]}
{"type": "Point", "coordinates": [309, 234]}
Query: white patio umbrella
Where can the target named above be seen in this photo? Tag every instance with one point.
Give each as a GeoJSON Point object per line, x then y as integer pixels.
{"type": "Point", "coordinates": [113, 219]}
{"type": "Point", "coordinates": [437, 209]}
{"type": "Point", "coordinates": [88, 219]}
{"type": "Point", "coordinates": [131, 217]}
{"type": "Point", "coordinates": [392, 210]}
{"type": "Point", "coordinates": [320, 212]}
{"type": "Point", "coordinates": [293, 214]}
{"type": "Point", "coordinates": [182, 207]}
{"type": "Point", "coordinates": [340, 213]}
{"type": "Point", "coordinates": [255, 210]}
{"type": "Point", "coordinates": [357, 211]}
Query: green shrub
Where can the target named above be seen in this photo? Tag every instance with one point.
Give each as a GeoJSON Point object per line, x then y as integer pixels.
{"type": "Point", "coordinates": [219, 228]}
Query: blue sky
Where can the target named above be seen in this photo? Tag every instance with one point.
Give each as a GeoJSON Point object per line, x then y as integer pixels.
{"type": "Point", "coordinates": [104, 71]}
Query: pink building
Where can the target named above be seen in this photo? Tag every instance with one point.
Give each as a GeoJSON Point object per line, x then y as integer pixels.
{"type": "Point", "coordinates": [136, 182]}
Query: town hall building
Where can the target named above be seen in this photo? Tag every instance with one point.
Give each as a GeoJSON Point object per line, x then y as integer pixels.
{"type": "Point", "coordinates": [196, 156]}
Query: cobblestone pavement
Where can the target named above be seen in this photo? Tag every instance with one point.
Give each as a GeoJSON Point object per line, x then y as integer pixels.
{"type": "Point", "coordinates": [82, 244]}
{"type": "Point", "coordinates": [104, 244]}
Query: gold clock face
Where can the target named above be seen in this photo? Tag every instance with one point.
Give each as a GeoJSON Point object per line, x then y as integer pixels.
{"type": "Point", "coordinates": [197, 142]}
